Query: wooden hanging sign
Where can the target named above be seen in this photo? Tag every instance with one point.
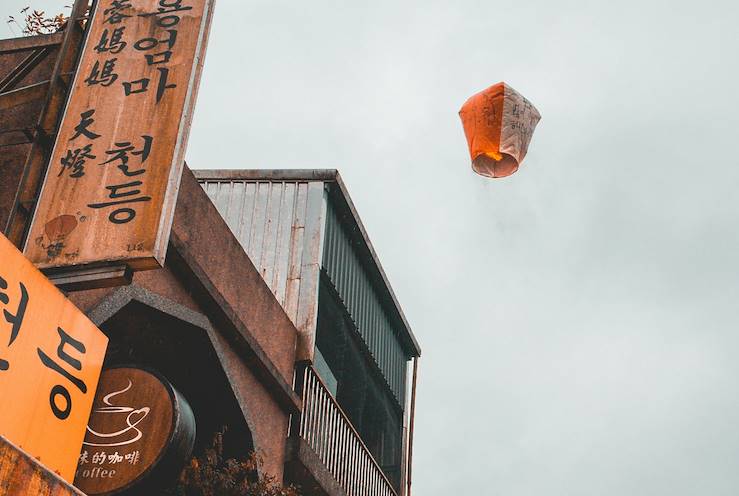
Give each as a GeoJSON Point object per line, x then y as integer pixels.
{"type": "Point", "coordinates": [111, 186]}
{"type": "Point", "coordinates": [140, 434]}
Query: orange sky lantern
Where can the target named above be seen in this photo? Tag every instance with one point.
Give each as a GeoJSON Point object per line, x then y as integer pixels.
{"type": "Point", "coordinates": [498, 123]}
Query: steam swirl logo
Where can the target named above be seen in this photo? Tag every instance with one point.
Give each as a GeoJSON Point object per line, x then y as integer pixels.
{"type": "Point", "coordinates": [129, 433]}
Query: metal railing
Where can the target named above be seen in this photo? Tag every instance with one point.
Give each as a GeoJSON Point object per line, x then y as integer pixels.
{"type": "Point", "coordinates": [327, 430]}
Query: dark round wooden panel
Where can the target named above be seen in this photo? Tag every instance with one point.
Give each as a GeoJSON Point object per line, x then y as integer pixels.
{"type": "Point", "coordinates": [135, 425]}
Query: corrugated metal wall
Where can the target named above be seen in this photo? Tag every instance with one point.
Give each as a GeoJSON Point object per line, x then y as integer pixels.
{"type": "Point", "coordinates": [344, 269]}
{"type": "Point", "coordinates": [279, 224]}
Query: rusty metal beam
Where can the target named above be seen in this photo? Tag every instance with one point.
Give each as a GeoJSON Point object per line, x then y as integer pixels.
{"type": "Point", "coordinates": [409, 467]}
{"type": "Point", "coordinates": [15, 45]}
{"type": "Point", "coordinates": [53, 110]}
{"type": "Point", "coordinates": [91, 278]}
{"type": "Point", "coordinates": [17, 143]}
{"type": "Point", "coordinates": [9, 82]}
{"type": "Point", "coordinates": [24, 95]}
{"type": "Point", "coordinates": [18, 130]}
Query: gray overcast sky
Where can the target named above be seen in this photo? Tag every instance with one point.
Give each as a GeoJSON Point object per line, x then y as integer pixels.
{"type": "Point", "coordinates": [579, 319]}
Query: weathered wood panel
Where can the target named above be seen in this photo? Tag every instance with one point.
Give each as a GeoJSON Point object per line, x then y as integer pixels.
{"type": "Point", "coordinates": [115, 169]}
{"type": "Point", "coordinates": [21, 475]}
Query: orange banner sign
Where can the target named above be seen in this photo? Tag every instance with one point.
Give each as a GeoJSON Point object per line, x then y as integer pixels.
{"type": "Point", "coordinates": [111, 187]}
{"type": "Point", "coordinates": [498, 123]}
{"type": "Point", "coordinates": [51, 356]}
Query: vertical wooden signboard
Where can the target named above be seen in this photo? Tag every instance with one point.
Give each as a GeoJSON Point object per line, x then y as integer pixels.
{"type": "Point", "coordinates": [110, 190]}
{"type": "Point", "coordinates": [51, 356]}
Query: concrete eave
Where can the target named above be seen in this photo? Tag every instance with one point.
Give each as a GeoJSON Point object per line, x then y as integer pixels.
{"type": "Point", "coordinates": [327, 176]}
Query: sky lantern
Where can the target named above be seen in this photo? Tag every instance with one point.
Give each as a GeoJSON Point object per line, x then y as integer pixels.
{"type": "Point", "coordinates": [498, 123]}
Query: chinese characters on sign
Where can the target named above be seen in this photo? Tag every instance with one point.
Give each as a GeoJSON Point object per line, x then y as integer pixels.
{"type": "Point", "coordinates": [104, 463]}
{"type": "Point", "coordinates": [140, 425]}
{"type": "Point", "coordinates": [111, 187]}
{"type": "Point", "coordinates": [498, 123]}
{"type": "Point", "coordinates": [50, 361]}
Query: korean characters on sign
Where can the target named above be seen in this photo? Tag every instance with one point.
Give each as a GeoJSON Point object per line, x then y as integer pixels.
{"type": "Point", "coordinates": [113, 177]}
{"type": "Point", "coordinates": [51, 356]}
{"type": "Point", "coordinates": [121, 198]}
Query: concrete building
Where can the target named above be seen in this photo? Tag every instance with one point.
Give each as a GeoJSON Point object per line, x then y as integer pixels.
{"type": "Point", "coordinates": [272, 314]}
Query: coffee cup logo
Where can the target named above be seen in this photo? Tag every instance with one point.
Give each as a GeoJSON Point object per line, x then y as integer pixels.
{"type": "Point", "coordinates": [128, 417]}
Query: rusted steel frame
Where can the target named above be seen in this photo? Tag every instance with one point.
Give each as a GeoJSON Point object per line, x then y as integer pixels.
{"type": "Point", "coordinates": [323, 390]}
{"type": "Point", "coordinates": [409, 467]}
{"type": "Point", "coordinates": [30, 43]}
{"type": "Point", "coordinates": [27, 131]}
{"type": "Point", "coordinates": [23, 95]}
{"type": "Point", "coordinates": [16, 143]}
{"type": "Point", "coordinates": [37, 159]}
{"type": "Point", "coordinates": [265, 174]}
{"type": "Point", "coordinates": [23, 69]}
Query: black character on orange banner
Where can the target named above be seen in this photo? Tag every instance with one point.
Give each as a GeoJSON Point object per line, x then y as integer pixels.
{"type": "Point", "coordinates": [59, 391]}
{"type": "Point", "coordinates": [113, 14]}
{"type": "Point", "coordinates": [122, 196]}
{"type": "Point", "coordinates": [74, 161]}
{"type": "Point", "coordinates": [111, 41]}
{"type": "Point", "coordinates": [167, 8]}
{"type": "Point", "coordinates": [146, 44]}
{"type": "Point", "coordinates": [83, 128]}
{"type": "Point", "coordinates": [142, 85]}
{"type": "Point", "coordinates": [162, 56]}
{"type": "Point", "coordinates": [104, 76]}
{"type": "Point", "coordinates": [121, 151]}
{"type": "Point", "coordinates": [15, 320]}
{"type": "Point", "coordinates": [134, 87]}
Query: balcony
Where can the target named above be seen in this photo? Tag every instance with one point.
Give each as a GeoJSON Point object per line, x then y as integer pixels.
{"type": "Point", "coordinates": [326, 450]}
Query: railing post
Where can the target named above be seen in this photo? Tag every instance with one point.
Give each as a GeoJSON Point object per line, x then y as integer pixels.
{"type": "Point", "coordinates": [330, 434]}
{"type": "Point", "coordinates": [296, 419]}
